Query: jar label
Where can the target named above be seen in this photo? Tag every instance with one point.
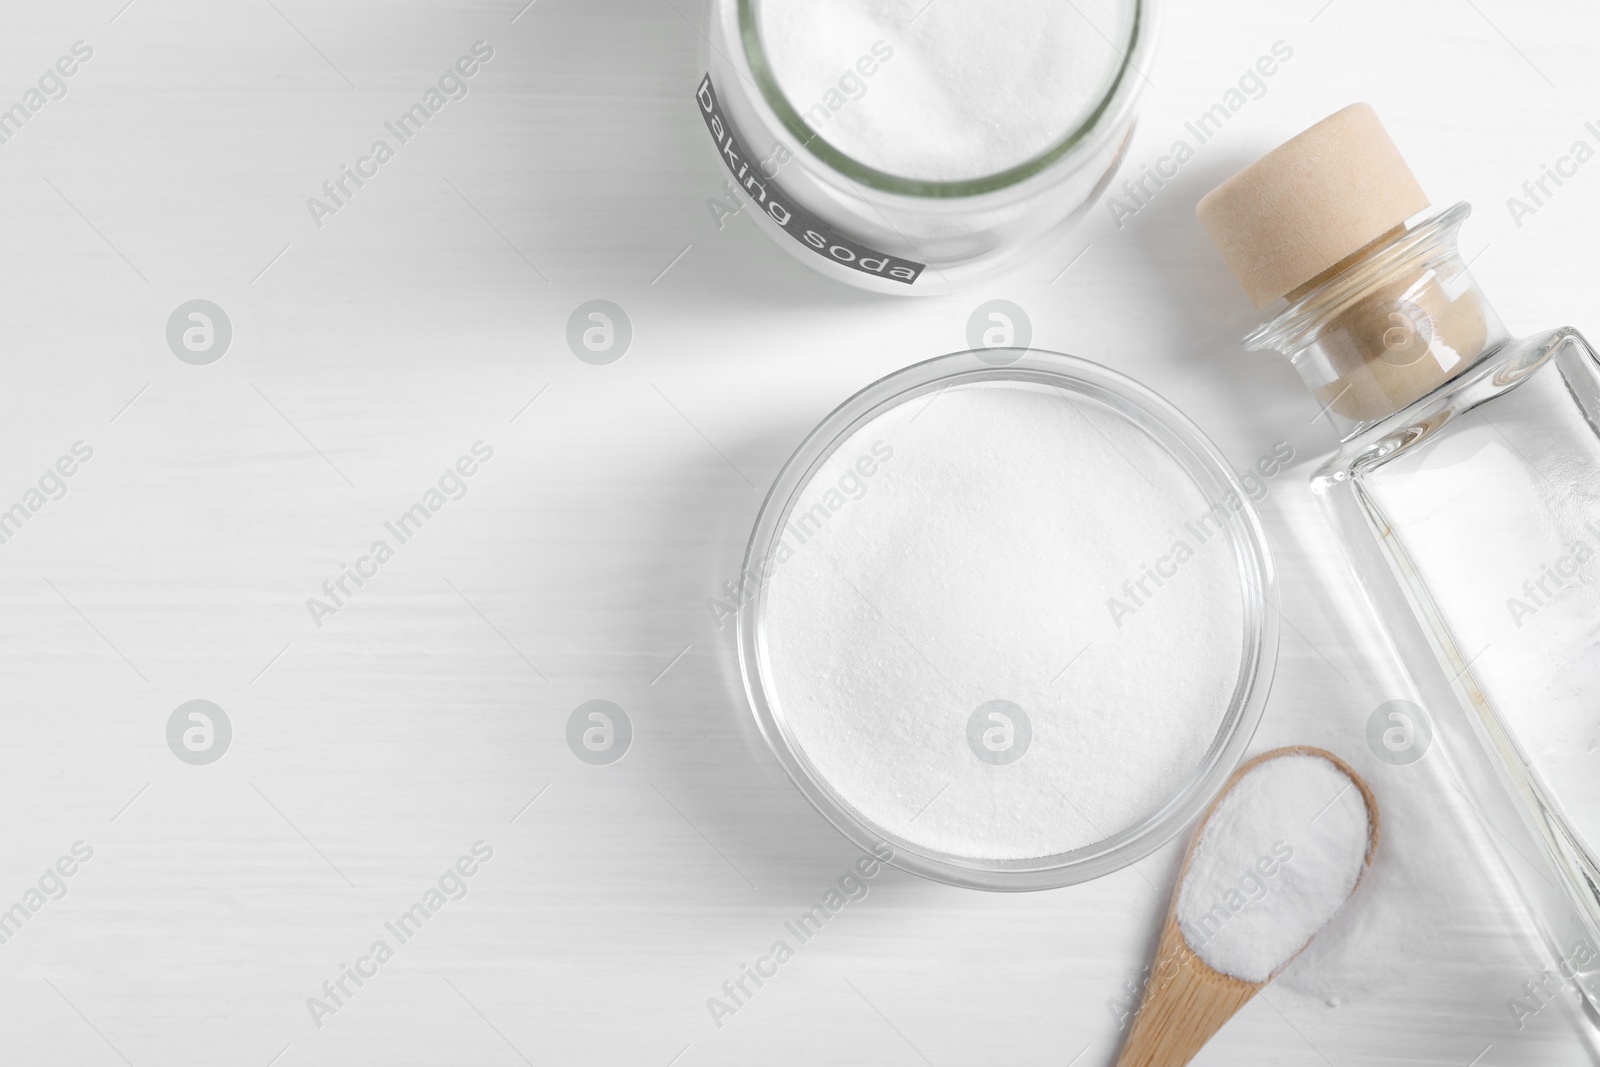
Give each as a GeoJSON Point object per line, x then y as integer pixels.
{"type": "Point", "coordinates": [753, 178]}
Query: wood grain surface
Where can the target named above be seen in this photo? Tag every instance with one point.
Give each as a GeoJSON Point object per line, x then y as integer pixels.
{"type": "Point", "coordinates": [375, 745]}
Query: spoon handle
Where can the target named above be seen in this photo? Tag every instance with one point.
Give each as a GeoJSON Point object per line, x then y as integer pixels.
{"type": "Point", "coordinates": [1185, 1003]}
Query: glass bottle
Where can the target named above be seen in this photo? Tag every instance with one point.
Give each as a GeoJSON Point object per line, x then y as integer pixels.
{"type": "Point", "coordinates": [1467, 485]}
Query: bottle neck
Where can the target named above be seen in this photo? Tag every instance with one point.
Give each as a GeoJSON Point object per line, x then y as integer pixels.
{"type": "Point", "coordinates": [1387, 326]}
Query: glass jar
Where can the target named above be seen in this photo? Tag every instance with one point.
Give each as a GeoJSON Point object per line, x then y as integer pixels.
{"type": "Point", "coordinates": [889, 232]}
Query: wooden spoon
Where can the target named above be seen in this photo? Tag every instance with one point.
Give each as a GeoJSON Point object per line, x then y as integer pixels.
{"type": "Point", "coordinates": [1187, 1001]}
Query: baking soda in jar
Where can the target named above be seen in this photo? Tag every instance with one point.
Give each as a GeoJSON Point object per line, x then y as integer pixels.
{"type": "Point", "coordinates": [909, 147]}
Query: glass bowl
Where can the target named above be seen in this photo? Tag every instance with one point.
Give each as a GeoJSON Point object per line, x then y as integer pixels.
{"type": "Point", "coordinates": [1169, 432]}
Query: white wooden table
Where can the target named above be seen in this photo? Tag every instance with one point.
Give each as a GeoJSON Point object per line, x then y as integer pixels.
{"type": "Point", "coordinates": [429, 710]}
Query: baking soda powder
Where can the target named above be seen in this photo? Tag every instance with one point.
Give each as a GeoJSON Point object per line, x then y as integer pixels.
{"type": "Point", "coordinates": [1278, 857]}
{"type": "Point", "coordinates": [974, 87]}
{"type": "Point", "coordinates": [938, 639]}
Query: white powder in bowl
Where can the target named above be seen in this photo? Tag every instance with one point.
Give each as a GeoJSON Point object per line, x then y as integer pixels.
{"type": "Point", "coordinates": [1279, 856]}
{"type": "Point", "coordinates": [941, 638]}
{"type": "Point", "coordinates": [946, 90]}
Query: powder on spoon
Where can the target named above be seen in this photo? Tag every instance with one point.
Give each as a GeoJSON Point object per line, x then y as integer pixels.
{"type": "Point", "coordinates": [944, 91]}
{"type": "Point", "coordinates": [941, 640]}
{"type": "Point", "coordinates": [1280, 854]}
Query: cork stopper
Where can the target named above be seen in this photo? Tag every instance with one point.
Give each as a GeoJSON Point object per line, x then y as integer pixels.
{"type": "Point", "coordinates": [1310, 204]}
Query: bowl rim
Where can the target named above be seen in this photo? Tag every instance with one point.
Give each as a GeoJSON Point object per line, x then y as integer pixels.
{"type": "Point", "coordinates": [1213, 475]}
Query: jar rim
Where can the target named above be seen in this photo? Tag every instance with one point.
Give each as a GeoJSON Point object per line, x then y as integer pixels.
{"type": "Point", "coordinates": [1118, 92]}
